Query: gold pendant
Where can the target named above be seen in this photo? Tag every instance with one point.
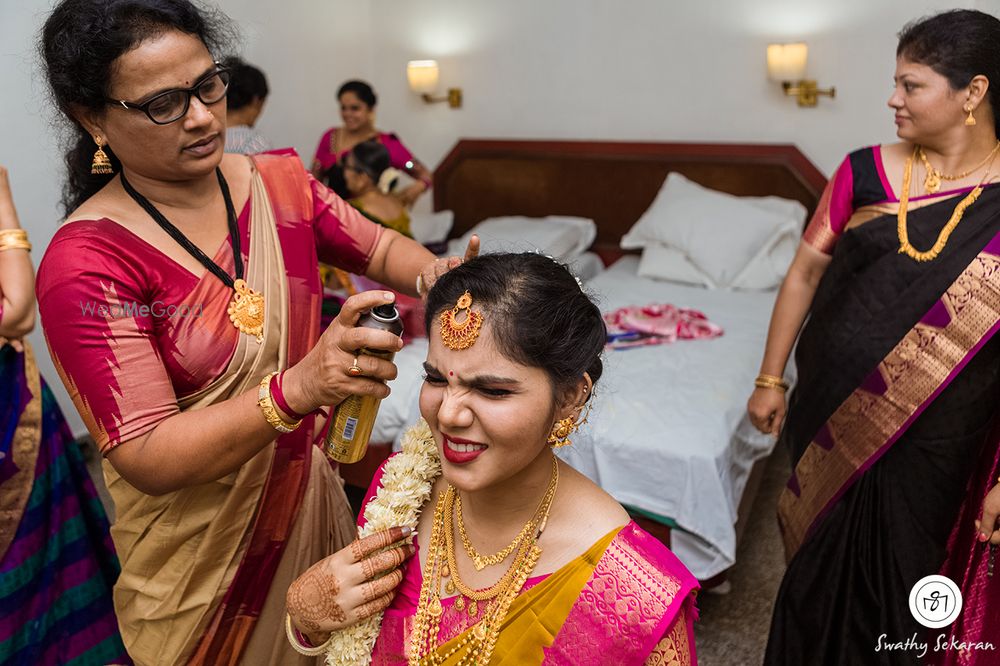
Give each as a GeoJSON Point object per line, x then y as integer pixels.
{"type": "Point", "coordinates": [435, 609]}
{"type": "Point", "coordinates": [932, 183]}
{"type": "Point", "coordinates": [460, 604]}
{"type": "Point", "coordinates": [449, 587]}
{"type": "Point", "coordinates": [473, 608]}
{"type": "Point", "coordinates": [478, 563]}
{"type": "Point", "coordinates": [445, 571]}
{"type": "Point", "coordinates": [479, 631]}
{"type": "Point", "coordinates": [246, 310]}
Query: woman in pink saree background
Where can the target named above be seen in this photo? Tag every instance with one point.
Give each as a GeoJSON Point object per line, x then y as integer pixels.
{"type": "Point", "coordinates": [357, 113]}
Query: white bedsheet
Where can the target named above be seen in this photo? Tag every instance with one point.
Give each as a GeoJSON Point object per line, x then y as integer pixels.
{"type": "Point", "coordinates": [668, 432]}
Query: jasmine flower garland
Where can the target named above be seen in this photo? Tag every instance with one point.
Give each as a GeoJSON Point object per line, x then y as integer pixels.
{"type": "Point", "coordinates": [407, 479]}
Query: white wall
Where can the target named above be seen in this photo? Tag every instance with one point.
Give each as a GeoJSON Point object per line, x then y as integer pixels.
{"type": "Point", "coordinates": [577, 69]}
{"type": "Point", "coordinates": [642, 70]}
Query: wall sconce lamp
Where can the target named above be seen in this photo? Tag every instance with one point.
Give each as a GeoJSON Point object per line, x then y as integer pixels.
{"type": "Point", "coordinates": [787, 63]}
{"type": "Point", "coordinates": [423, 78]}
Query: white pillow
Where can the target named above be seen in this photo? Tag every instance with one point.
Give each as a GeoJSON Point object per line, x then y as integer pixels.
{"type": "Point", "coordinates": [662, 262]}
{"type": "Point", "coordinates": [768, 268]}
{"type": "Point", "coordinates": [562, 237]}
{"type": "Point", "coordinates": [718, 233]}
{"type": "Point", "coordinates": [428, 228]}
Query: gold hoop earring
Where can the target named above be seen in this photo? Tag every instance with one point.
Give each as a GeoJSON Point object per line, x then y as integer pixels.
{"type": "Point", "coordinates": [970, 121]}
{"type": "Point", "coordinates": [101, 164]}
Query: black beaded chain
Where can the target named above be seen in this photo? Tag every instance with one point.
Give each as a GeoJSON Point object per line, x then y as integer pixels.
{"type": "Point", "coordinates": [194, 250]}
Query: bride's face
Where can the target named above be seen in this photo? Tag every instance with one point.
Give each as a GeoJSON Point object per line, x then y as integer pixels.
{"type": "Point", "coordinates": [490, 416]}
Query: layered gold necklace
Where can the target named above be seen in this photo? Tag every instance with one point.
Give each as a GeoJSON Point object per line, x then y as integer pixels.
{"type": "Point", "coordinates": [932, 181]}
{"type": "Point", "coordinates": [478, 644]}
{"type": "Point", "coordinates": [480, 561]}
{"type": "Point", "coordinates": [956, 215]}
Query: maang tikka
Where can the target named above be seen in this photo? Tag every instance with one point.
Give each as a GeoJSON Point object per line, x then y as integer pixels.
{"type": "Point", "coordinates": [460, 334]}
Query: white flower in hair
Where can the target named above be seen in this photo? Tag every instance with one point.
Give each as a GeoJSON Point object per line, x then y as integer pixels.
{"type": "Point", "coordinates": [579, 282]}
{"type": "Point", "coordinates": [386, 180]}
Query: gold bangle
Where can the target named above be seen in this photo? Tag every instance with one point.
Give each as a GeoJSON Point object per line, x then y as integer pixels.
{"type": "Point", "coordinates": [14, 245]}
{"type": "Point", "coordinates": [770, 381]}
{"type": "Point", "coordinates": [266, 404]}
{"type": "Point", "coordinates": [299, 647]}
{"type": "Point", "coordinates": [14, 239]}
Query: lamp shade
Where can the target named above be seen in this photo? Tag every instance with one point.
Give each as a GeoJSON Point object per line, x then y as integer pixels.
{"type": "Point", "coordinates": [422, 76]}
{"type": "Point", "coordinates": [787, 62]}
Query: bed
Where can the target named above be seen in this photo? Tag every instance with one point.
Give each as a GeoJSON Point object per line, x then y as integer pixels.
{"type": "Point", "coordinates": [667, 436]}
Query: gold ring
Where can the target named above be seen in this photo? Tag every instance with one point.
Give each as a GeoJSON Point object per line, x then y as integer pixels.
{"type": "Point", "coordinates": [355, 369]}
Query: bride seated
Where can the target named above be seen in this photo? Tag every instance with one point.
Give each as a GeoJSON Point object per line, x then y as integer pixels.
{"type": "Point", "coordinates": [519, 559]}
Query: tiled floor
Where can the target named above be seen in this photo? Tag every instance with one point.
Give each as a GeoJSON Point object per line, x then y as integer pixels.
{"type": "Point", "coordinates": [733, 627]}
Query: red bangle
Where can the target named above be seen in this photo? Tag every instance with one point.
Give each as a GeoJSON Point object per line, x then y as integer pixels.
{"type": "Point", "coordinates": [279, 398]}
{"type": "Point", "coordinates": [302, 638]}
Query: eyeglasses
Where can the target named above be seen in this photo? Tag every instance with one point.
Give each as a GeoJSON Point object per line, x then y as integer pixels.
{"type": "Point", "coordinates": [172, 105]}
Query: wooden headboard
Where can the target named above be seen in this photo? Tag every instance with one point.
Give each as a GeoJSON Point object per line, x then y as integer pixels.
{"type": "Point", "coordinates": [610, 182]}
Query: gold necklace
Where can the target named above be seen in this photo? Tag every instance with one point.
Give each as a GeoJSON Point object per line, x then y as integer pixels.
{"type": "Point", "coordinates": [455, 584]}
{"type": "Point", "coordinates": [932, 181]}
{"type": "Point", "coordinates": [956, 216]}
{"type": "Point", "coordinates": [534, 526]}
{"type": "Point", "coordinates": [480, 561]}
{"type": "Point", "coordinates": [481, 639]}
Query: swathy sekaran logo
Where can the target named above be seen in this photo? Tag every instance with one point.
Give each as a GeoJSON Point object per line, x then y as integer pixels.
{"type": "Point", "coordinates": [935, 601]}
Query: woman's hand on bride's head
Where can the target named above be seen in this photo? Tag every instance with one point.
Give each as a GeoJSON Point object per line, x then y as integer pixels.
{"type": "Point", "coordinates": [352, 584]}
{"type": "Point", "coordinates": [430, 273]}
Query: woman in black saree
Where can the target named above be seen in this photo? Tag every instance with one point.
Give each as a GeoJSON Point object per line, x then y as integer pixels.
{"type": "Point", "coordinates": [892, 429]}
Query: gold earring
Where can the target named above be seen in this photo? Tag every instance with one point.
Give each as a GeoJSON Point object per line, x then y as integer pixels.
{"type": "Point", "coordinates": [970, 121]}
{"type": "Point", "coordinates": [561, 430]}
{"type": "Point", "coordinates": [101, 163]}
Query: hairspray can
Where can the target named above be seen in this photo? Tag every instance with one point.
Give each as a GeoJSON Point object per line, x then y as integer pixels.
{"type": "Point", "coordinates": [351, 422]}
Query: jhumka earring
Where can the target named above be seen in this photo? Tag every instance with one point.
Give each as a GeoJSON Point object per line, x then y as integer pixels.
{"type": "Point", "coordinates": [970, 121]}
{"type": "Point", "coordinates": [460, 334]}
{"type": "Point", "coordinates": [101, 163]}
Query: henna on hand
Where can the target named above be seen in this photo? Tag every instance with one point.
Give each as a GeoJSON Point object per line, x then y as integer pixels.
{"type": "Point", "coordinates": [372, 607]}
{"type": "Point", "coordinates": [314, 600]}
{"type": "Point", "coordinates": [361, 548]}
{"type": "Point", "coordinates": [375, 589]}
{"type": "Point", "coordinates": [385, 561]}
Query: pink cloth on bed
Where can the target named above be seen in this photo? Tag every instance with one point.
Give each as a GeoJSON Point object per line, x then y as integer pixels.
{"type": "Point", "coordinates": [655, 324]}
